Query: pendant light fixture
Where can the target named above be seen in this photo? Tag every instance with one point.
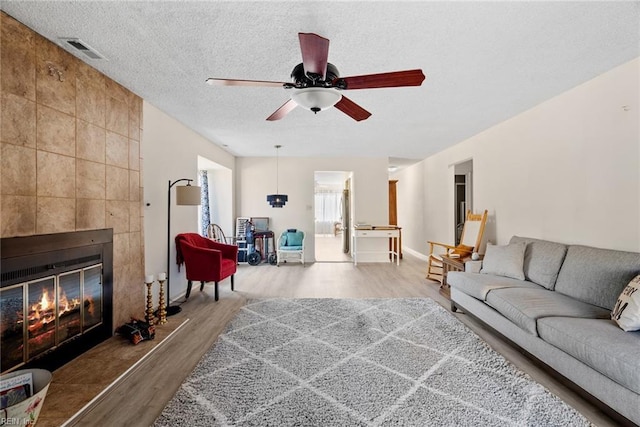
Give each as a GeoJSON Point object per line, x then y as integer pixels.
{"type": "Point", "coordinates": [277, 200]}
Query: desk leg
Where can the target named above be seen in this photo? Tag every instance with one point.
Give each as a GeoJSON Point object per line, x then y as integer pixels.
{"type": "Point", "coordinates": [354, 239]}
{"type": "Point", "coordinates": [445, 270]}
{"type": "Point", "coordinates": [395, 252]}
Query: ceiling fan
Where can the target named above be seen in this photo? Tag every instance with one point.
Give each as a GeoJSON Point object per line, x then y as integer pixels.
{"type": "Point", "coordinates": [316, 83]}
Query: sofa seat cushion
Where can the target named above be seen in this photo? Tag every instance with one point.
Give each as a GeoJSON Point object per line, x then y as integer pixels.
{"type": "Point", "coordinates": [478, 285]}
{"type": "Point", "coordinates": [524, 306]}
{"type": "Point", "coordinates": [598, 343]}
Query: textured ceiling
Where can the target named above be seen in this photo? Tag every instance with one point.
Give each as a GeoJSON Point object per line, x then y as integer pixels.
{"type": "Point", "coordinates": [484, 61]}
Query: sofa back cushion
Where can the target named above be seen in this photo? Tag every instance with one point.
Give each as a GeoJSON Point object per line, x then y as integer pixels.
{"type": "Point", "coordinates": [193, 239]}
{"type": "Point", "coordinates": [542, 260]}
{"type": "Point", "coordinates": [597, 276]}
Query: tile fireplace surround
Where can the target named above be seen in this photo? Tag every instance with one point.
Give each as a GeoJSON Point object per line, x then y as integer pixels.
{"type": "Point", "coordinates": [71, 157]}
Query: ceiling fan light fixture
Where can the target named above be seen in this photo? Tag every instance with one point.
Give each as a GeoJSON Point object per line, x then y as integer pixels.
{"type": "Point", "coordinates": [316, 84]}
{"type": "Point", "coordinates": [316, 99]}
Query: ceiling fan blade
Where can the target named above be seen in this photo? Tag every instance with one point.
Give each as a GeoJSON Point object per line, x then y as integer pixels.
{"type": "Point", "coordinates": [283, 110]}
{"type": "Point", "coordinates": [233, 82]}
{"type": "Point", "coordinates": [352, 109]}
{"type": "Point", "coordinates": [372, 81]}
{"type": "Point", "coordinates": [315, 51]}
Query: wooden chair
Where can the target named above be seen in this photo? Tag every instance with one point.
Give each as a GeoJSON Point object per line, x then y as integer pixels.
{"type": "Point", "coordinates": [215, 233]}
{"type": "Point", "coordinates": [469, 242]}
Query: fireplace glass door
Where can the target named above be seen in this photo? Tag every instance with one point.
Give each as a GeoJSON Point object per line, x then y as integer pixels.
{"type": "Point", "coordinates": [69, 303]}
{"type": "Point", "coordinates": [92, 297]}
{"type": "Point", "coordinates": [11, 326]}
{"type": "Point", "coordinates": [39, 315]}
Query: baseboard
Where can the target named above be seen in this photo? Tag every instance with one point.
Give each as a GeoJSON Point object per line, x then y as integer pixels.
{"type": "Point", "coordinates": [416, 254]}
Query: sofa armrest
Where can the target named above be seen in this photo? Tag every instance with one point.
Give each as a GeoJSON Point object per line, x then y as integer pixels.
{"type": "Point", "coordinates": [228, 251]}
{"type": "Point", "coordinates": [473, 266]}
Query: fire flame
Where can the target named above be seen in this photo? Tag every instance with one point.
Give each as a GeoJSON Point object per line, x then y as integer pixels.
{"type": "Point", "coordinates": [43, 312]}
{"type": "Point", "coordinates": [39, 309]}
{"type": "Point", "coordinates": [64, 304]}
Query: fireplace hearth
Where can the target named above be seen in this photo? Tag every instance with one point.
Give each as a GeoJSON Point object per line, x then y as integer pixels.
{"type": "Point", "coordinates": [55, 297]}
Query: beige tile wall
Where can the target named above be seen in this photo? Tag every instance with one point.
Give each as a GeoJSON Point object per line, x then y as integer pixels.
{"type": "Point", "coordinates": [70, 154]}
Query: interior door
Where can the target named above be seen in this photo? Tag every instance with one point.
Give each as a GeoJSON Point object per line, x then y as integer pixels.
{"type": "Point", "coordinates": [346, 215]}
{"type": "Point", "coordinates": [463, 195]}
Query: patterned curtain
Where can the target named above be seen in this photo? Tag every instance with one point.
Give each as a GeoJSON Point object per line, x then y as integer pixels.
{"type": "Point", "coordinates": [204, 201]}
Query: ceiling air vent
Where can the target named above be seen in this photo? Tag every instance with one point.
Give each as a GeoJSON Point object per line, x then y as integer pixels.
{"type": "Point", "coordinates": [82, 47]}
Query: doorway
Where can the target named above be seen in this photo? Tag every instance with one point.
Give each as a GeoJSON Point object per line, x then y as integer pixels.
{"type": "Point", "coordinates": [331, 198]}
{"type": "Point", "coordinates": [463, 201]}
{"type": "Point", "coordinates": [216, 182]}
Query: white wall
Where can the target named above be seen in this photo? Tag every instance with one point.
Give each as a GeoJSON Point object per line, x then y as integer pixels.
{"type": "Point", "coordinates": [411, 208]}
{"type": "Point", "coordinates": [567, 170]}
{"type": "Point", "coordinates": [221, 199]}
{"type": "Point", "coordinates": [170, 151]}
{"type": "Point", "coordinates": [256, 177]}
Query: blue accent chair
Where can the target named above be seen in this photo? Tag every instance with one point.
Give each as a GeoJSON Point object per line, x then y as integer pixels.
{"type": "Point", "coordinates": [291, 246]}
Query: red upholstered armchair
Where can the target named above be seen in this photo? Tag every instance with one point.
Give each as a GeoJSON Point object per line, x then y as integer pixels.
{"type": "Point", "coordinates": [205, 260]}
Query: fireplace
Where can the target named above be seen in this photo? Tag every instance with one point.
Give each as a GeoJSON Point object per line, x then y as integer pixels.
{"type": "Point", "coordinates": [55, 297]}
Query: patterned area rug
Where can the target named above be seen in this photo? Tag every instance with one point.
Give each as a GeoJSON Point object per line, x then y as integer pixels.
{"type": "Point", "coordinates": [357, 362]}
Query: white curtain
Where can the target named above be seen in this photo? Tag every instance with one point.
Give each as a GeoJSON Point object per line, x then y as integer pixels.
{"type": "Point", "coordinates": [328, 210]}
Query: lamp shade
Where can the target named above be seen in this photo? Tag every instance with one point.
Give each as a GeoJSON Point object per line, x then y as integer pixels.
{"type": "Point", "coordinates": [188, 195]}
{"type": "Point", "coordinates": [315, 98]}
{"type": "Point", "coordinates": [277, 200]}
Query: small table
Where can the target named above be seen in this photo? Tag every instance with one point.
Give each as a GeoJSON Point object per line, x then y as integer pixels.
{"type": "Point", "coordinates": [377, 231]}
{"type": "Point", "coordinates": [453, 264]}
{"type": "Point", "coordinates": [261, 241]}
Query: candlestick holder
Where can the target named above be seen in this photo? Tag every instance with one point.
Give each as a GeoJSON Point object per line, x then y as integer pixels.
{"type": "Point", "coordinates": [162, 308]}
{"type": "Point", "coordinates": [149, 313]}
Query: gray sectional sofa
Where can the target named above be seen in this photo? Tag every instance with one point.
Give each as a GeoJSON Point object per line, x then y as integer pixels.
{"type": "Point", "coordinates": [560, 313]}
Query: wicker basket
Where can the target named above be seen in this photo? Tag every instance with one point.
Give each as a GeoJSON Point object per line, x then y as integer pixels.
{"type": "Point", "coordinates": [26, 413]}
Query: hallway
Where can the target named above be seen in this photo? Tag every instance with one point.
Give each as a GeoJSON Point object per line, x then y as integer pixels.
{"type": "Point", "coordinates": [329, 249]}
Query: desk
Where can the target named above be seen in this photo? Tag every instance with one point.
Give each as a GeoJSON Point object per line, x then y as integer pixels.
{"type": "Point", "coordinates": [386, 232]}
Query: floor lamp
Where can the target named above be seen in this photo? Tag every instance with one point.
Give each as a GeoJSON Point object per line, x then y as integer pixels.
{"type": "Point", "coordinates": [186, 195]}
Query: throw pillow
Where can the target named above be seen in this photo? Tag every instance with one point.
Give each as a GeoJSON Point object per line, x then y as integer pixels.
{"type": "Point", "coordinates": [294, 239]}
{"type": "Point", "coordinates": [626, 312]}
{"type": "Point", "coordinates": [505, 260]}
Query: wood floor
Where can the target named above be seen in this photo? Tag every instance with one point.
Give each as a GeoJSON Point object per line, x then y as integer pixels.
{"type": "Point", "coordinates": [139, 397]}
{"type": "Point", "coordinates": [328, 248]}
